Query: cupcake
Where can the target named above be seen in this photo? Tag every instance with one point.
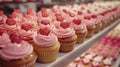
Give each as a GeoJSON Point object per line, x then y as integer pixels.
{"type": "Point", "coordinates": [11, 25]}
{"type": "Point", "coordinates": [3, 18]}
{"type": "Point", "coordinates": [27, 32]}
{"type": "Point", "coordinates": [86, 62]}
{"type": "Point", "coordinates": [66, 37]}
{"type": "Point", "coordinates": [104, 21]}
{"type": "Point", "coordinates": [31, 17]}
{"type": "Point", "coordinates": [17, 53]}
{"type": "Point", "coordinates": [72, 65]}
{"type": "Point", "coordinates": [46, 22]}
{"type": "Point", "coordinates": [3, 39]}
{"type": "Point", "coordinates": [107, 62]}
{"type": "Point", "coordinates": [16, 15]}
{"type": "Point", "coordinates": [96, 64]}
{"type": "Point", "coordinates": [80, 30]}
{"type": "Point", "coordinates": [98, 23]}
{"type": "Point", "coordinates": [98, 59]}
{"type": "Point", "coordinates": [90, 25]}
{"type": "Point", "coordinates": [43, 15]}
{"type": "Point", "coordinates": [77, 60]}
{"type": "Point", "coordinates": [46, 45]}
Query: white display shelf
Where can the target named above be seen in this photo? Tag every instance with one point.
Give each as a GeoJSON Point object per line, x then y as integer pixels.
{"type": "Point", "coordinates": [117, 64]}
{"type": "Point", "coordinates": [65, 58]}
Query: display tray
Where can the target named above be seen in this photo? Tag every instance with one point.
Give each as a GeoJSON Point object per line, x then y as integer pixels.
{"type": "Point", "coordinates": [65, 58]}
{"type": "Point", "coordinates": [117, 64]}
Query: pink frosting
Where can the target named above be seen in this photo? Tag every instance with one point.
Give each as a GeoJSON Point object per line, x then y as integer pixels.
{"type": "Point", "coordinates": [45, 41]}
{"type": "Point", "coordinates": [13, 28]}
{"type": "Point", "coordinates": [114, 51]}
{"type": "Point", "coordinates": [19, 16]}
{"type": "Point", "coordinates": [4, 39]}
{"type": "Point", "coordinates": [95, 64]}
{"type": "Point", "coordinates": [64, 33]}
{"type": "Point", "coordinates": [56, 24]}
{"type": "Point", "coordinates": [52, 15]}
{"type": "Point", "coordinates": [31, 19]}
{"type": "Point", "coordinates": [40, 17]}
{"type": "Point", "coordinates": [78, 27]}
{"type": "Point", "coordinates": [28, 34]}
{"type": "Point", "coordinates": [16, 51]}
{"type": "Point", "coordinates": [100, 18]}
{"type": "Point", "coordinates": [95, 21]}
{"type": "Point", "coordinates": [105, 51]}
{"type": "Point", "coordinates": [3, 19]}
{"type": "Point", "coordinates": [118, 44]}
{"type": "Point", "coordinates": [100, 46]}
{"type": "Point", "coordinates": [89, 23]}
{"type": "Point", "coordinates": [50, 26]}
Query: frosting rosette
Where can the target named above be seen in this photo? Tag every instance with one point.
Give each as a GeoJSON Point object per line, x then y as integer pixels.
{"type": "Point", "coordinates": [45, 41]}
{"type": "Point", "coordinates": [14, 51]}
{"type": "Point", "coordinates": [4, 39]}
{"type": "Point", "coordinates": [64, 33]}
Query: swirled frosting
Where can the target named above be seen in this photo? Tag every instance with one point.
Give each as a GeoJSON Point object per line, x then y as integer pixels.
{"type": "Point", "coordinates": [3, 18]}
{"type": "Point", "coordinates": [45, 41]}
{"type": "Point", "coordinates": [28, 34]}
{"type": "Point", "coordinates": [14, 51]}
{"type": "Point", "coordinates": [78, 27]}
{"type": "Point", "coordinates": [12, 28]}
{"type": "Point", "coordinates": [39, 17]}
{"type": "Point", "coordinates": [64, 33]}
{"type": "Point", "coordinates": [89, 23]}
{"type": "Point", "coordinates": [4, 39]}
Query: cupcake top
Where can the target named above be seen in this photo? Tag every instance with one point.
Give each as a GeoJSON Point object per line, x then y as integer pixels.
{"type": "Point", "coordinates": [31, 12]}
{"type": "Point", "coordinates": [88, 57]}
{"type": "Point", "coordinates": [4, 39]}
{"type": "Point", "coordinates": [95, 64]}
{"type": "Point", "coordinates": [16, 49]}
{"type": "Point", "coordinates": [98, 59]}
{"type": "Point", "coordinates": [30, 19]}
{"type": "Point", "coordinates": [77, 25]}
{"type": "Point", "coordinates": [64, 30]}
{"type": "Point", "coordinates": [107, 61]}
{"type": "Point", "coordinates": [94, 19]}
{"type": "Point", "coordinates": [16, 15]}
{"type": "Point", "coordinates": [72, 65]}
{"type": "Point", "coordinates": [89, 23]}
{"type": "Point", "coordinates": [86, 61]}
{"type": "Point", "coordinates": [77, 60]}
{"type": "Point", "coordinates": [43, 14]}
{"type": "Point", "coordinates": [2, 17]}
{"type": "Point", "coordinates": [45, 37]}
{"type": "Point", "coordinates": [11, 25]}
{"type": "Point", "coordinates": [46, 22]}
{"type": "Point", "coordinates": [28, 35]}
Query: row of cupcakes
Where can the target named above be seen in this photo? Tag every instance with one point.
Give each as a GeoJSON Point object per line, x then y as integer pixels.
{"type": "Point", "coordinates": [103, 54]}
{"type": "Point", "coordinates": [48, 31]}
{"type": "Point", "coordinates": [83, 20]}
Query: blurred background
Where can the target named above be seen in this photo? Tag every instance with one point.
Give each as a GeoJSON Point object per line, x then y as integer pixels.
{"type": "Point", "coordinates": [8, 5]}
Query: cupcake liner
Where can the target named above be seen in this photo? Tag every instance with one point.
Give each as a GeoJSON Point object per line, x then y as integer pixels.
{"type": "Point", "coordinates": [104, 24]}
{"type": "Point", "coordinates": [24, 62]}
{"type": "Point", "coordinates": [98, 27]}
{"type": "Point", "coordinates": [90, 32]}
{"type": "Point", "coordinates": [47, 54]}
{"type": "Point", "coordinates": [81, 37]}
{"type": "Point", "coordinates": [67, 47]}
{"type": "Point", "coordinates": [30, 64]}
{"type": "Point", "coordinates": [46, 57]}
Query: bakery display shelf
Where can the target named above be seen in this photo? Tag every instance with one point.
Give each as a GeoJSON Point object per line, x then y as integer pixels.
{"type": "Point", "coordinates": [65, 58]}
{"type": "Point", "coordinates": [117, 64]}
